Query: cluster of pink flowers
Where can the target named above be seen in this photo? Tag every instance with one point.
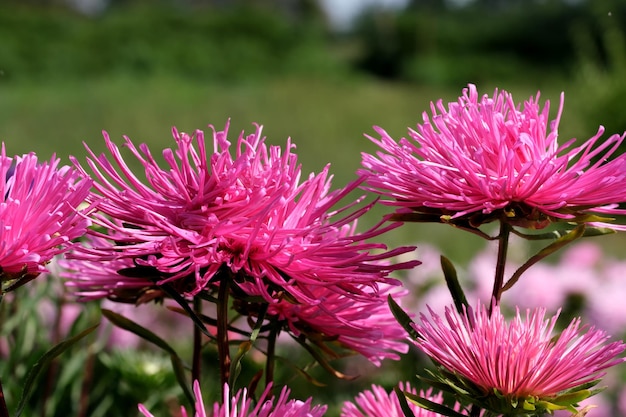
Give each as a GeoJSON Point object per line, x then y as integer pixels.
{"type": "Point", "coordinates": [248, 222]}
{"type": "Point", "coordinates": [242, 222]}
{"type": "Point", "coordinates": [485, 159]}
{"type": "Point", "coordinates": [240, 405]}
{"type": "Point", "coordinates": [378, 403]}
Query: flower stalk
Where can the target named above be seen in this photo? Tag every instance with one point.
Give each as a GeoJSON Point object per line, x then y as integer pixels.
{"type": "Point", "coordinates": [503, 247]}
{"type": "Point", "coordinates": [196, 367]}
{"type": "Point", "coordinates": [223, 348]}
{"type": "Point", "coordinates": [271, 354]}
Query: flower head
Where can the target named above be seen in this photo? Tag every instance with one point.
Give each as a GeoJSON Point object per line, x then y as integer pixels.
{"type": "Point", "coordinates": [240, 405]}
{"type": "Point", "coordinates": [486, 158]}
{"type": "Point", "coordinates": [38, 214]}
{"type": "Point", "coordinates": [248, 217]}
{"type": "Point", "coordinates": [516, 368]}
{"type": "Point", "coordinates": [245, 221]}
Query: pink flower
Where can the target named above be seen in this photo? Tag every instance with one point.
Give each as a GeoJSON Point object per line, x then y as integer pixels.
{"type": "Point", "coordinates": [38, 214]}
{"type": "Point", "coordinates": [206, 216]}
{"type": "Point", "coordinates": [516, 365]}
{"type": "Point", "coordinates": [378, 403]}
{"type": "Point", "coordinates": [486, 158]}
{"type": "Point", "coordinates": [248, 222]}
{"type": "Point", "coordinates": [90, 280]}
{"type": "Point", "coordinates": [240, 405]}
{"type": "Point", "coordinates": [364, 325]}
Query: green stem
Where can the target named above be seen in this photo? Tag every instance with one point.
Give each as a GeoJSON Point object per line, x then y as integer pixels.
{"type": "Point", "coordinates": [498, 282]}
{"type": "Point", "coordinates": [196, 364]}
{"type": "Point", "coordinates": [475, 411]}
{"type": "Point", "coordinates": [223, 349]}
{"type": "Point", "coordinates": [271, 354]}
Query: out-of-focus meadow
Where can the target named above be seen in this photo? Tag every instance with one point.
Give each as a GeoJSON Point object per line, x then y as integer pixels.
{"type": "Point", "coordinates": [138, 68]}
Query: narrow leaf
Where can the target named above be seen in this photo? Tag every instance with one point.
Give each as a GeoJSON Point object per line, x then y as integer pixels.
{"type": "Point", "coordinates": [557, 234]}
{"type": "Point", "coordinates": [244, 348]}
{"type": "Point", "coordinates": [177, 364]}
{"type": "Point", "coordinates": [548, 250]}
{"type": "Point", "coordinates": [185, 305]}
{"type": "Point", "coordinates": [584, 411]}
{"type": "Point", "coordinates": [404, 405]}
{"type": "Point", "coordinates": [432, 406]}
{"type": "Point", "coordinates": [181, 377]}
{"type": "Point", "coordinates": [127, 324]}
{"type": "Point", "coordinates": [44, 362]}
{"type": "Point", "coordinates": [403, 318]}
{"type": "Point", "coordinates": [452, 280]}
{"type": "Point", "coordinates": [322, 361]}
{"type": "Point", "coordinates": [300, 371]}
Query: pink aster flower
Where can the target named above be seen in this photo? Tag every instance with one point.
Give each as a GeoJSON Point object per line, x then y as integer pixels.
{"type": "Point", "coordinates": [378, 403]}
{"type": "Point", "coordinates": [240, 405]}
{"type": "Point", "coordinates": [486, 158]}
{"type": "Point", "coordinates": [246, 221]}
{"type": "Point", "coordinates": [248, 217]}
{"type": "Point", "coordinates": [38, 214]}
{"type": "Point", "coordinates": [511, 367]}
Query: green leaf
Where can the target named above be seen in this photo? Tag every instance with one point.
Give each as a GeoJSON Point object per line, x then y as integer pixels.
{"type": "Point", "coordinates": [452, 280]}
{"type": "Point", "coordinates": [557, 234]}
{"type": "Point", "coordinates": [300, 371]}
{"type": "Point", "coordinates": [177, 364]}
{"type": "Point", "coordinates": [566, 239]}
{"type": "Point", "coordinates": [45, 361]}
{"type": "Point", "coordinates": [432, 406]}
{"type": "Point", "coordinates": [322, 361]}
{"type": "Point", "coordinates": [404, 405]}
{"type": "Point", "coordinates": [584, 411]}
{"type": "Point", "coordinates": [572, 397]}
{"type": "Point", "coordinates": [127, 324]}
{"type": "Point", "coordinates": [244, 348]}
{"type": "Point", "coordinates": [185, 306]}
{"type": "Point", "coordinates": [403, 318]}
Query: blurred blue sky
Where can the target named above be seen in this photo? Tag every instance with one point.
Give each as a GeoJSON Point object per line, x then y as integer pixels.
{"type": "Point", "coordinates": [342, 12]}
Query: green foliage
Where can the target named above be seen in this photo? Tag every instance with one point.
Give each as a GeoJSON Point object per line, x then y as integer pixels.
{"type": "Point", "coordinates": [82, 378]}
{"type": "Point", "coordinates": [477, 43]}
{"type": "Point", "coordinates": [600, 76]}
{"type": "Point", "coordinates": [237, 43]}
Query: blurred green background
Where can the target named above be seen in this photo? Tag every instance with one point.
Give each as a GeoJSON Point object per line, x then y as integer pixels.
{"type": "Point", "coordinates": [139, 67]}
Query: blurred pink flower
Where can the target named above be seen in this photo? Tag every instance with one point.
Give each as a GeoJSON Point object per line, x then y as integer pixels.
{"type": "Point", "coordinates": [516, 364]}
{"type": "Point", "coordinates": [486, 158]}
{"type": "Point", "coordinates": [378, 403]}
{"type": "Point", "coordinates": [38, 213]}
{"type": "Point", "coordinates": [249, 217]}
{"type": "Point", "coordinates": [240, 405]}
